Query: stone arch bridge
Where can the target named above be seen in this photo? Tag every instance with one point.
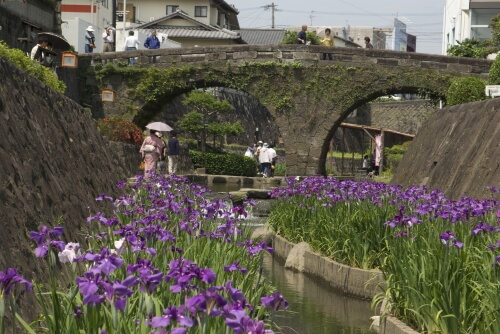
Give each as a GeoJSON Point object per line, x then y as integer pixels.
{"type": "Point", "coordinates": [307, 97]}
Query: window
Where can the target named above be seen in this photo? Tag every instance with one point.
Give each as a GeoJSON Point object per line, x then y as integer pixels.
{"type": "Point", "coordinates": [480, 19]}
{"type": "Point", "coordinates": [200, 11]}
{"type": "Point", "coordinates": [172, 9]}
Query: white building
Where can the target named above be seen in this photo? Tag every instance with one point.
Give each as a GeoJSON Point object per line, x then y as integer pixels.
{"type": "Point", "coordinates": [185, 22]}
{"type": "Point", "coordinates": [464, 19]}
{"type": "Point", "coordinates": [77, 15]}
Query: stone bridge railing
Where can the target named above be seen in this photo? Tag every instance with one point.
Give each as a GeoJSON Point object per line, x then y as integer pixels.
{"type": "Point", "coordinates": [306, 55]}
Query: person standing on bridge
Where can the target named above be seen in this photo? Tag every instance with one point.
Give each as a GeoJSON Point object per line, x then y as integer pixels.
{"type": "Point", "coordinates": [302, 36]}
{"type": "Point", "coordinates": [327, 40]}
{"type": "Point", "coordinates": [107, 37]}
{"type": "Point", "coordinates": [368, 45]}
{"type": "Point", "coordinates": [151, 43]}
{"type": "Point", "coordinates": [89, 40]}
{"type": "Point", "coordinates": [131, 43]}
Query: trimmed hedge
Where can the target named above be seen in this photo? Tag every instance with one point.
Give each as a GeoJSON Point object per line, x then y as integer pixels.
{"type": "Point", "coordinates": [465, 90]}
{"type": "Point", "coordinates": [225, 164]}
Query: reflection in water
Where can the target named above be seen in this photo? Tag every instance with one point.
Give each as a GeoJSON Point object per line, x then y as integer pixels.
{"type": "Point", "coordinates": [315, 309]}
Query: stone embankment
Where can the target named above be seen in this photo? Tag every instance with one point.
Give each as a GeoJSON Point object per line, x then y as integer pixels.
{"type": "Point", "coordinates": [352, 281]}
{"type": "Point", "coordinates": [456, 151]}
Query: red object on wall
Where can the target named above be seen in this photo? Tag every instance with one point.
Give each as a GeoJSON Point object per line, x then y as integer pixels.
{"type": "Point", "coordinates": [77, 9]}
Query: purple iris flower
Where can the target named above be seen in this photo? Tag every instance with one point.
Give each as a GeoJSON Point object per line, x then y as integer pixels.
{"type": "Point", "coordinates": [9, 279]}
{"type": "Point", "coordinates": [448, 238]}
{"type": "Point", "coordinates": [275, 301]}
{"type": "Point", "coordinates": [170, 315]}
{"type": "Point", "coordinates": [243, 324]}
{"type": "Point", "coordinates": [103, 197]}
{"type": "Point", "coordinates": [482, 227]}
{"type": "Point", "coordinates": [88, 284]}
{"type": "Point", "coordinates": [43, 238]}
{"type": "Point", "coordinates": [236, 266]}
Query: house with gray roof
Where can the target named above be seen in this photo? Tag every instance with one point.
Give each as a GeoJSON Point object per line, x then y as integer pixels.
{"type": "Point", "coordinates": [262, 36]}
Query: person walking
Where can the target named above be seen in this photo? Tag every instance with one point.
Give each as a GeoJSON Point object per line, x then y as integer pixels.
{"type": "Point", "coordinates": [89, 40]}
{"type": "Point", "coordinates": [173, 153]}
{"type": "Point", "coordinates": [151, 43]}
{"type": "Point", "coordinates": [108, 40]}
{"type": "Point", "coordinates": [302, 36]}
{"type": "Point", "coordinates": [265, 160]}
{"type": "Point", "coordinates": [151, 151]}
{"type": "Point", "coordinates": [327, 40]}
{"type": "Point", "coordinates": [272, 153]}
{"type": "Point", "coordinates": [256, 154]}
{"type": "Point", "coordinates": [131, 43]}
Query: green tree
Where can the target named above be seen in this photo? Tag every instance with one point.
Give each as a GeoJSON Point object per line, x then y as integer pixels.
{"type": "Point", "coordinates": [203, 118]}
{"type": "Point", "coordinates": [494, 74]}
{"type": "Point", "coordinates": [291, 37]}
{"type": "Point", "coordinates": [464, 90]}
{"type": "Point", "coordinates": [495, 30]}
{"type": "Point", "coordinates": [221, 130]}
{"type": "Point", "coordinates": [472, 48]}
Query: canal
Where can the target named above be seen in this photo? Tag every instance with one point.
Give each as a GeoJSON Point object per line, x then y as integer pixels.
{"type": "Point", "coordinates": [314, 308]}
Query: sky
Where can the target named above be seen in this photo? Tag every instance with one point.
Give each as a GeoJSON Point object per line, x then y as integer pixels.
{"type": "Point", "coordinates": [423, 18]}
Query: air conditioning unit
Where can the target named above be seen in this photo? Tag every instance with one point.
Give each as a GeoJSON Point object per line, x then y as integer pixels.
{"type": "Point", "coordinates": [151, 19]}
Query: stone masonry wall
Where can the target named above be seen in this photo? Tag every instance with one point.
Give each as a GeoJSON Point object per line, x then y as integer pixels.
{"type": "Point", "coordinates": [402, 116]}
{"type": "Point", "coordinates": [53, 164]}
{"type": "Point", "coordinates": [457, 151]}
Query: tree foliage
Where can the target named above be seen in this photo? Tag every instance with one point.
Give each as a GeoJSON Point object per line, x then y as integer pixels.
{"type": "Point", "coordinates": [472, 48]}
{"type": "Point", "coordinates": [494, 74]}
{"type": "Point", "coordinates": [465, 90]}
{"type": "Point", "coordinates": [291, 37]}
{"type": "Point", "coordinates": [205, 114]}
{"type": "Point", "coordinates": [33, 68]}
{"type": "Point", "coordinates": [475, 48]}
{"type": "Point", "coordinates": [495, 30]}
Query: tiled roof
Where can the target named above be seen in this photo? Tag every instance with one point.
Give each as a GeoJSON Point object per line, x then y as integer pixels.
{"type": "Point", "coordinates": [195, 32]}
{"type": "Point", "coordinates": [199, 30]}
{"type": "Point", "coordinates": [262, 36]}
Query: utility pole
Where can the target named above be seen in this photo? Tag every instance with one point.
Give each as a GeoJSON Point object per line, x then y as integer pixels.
{"type": "Point", "coordinates": [311, 17]}
{"type": "Point", "coordinates": [273, 9]}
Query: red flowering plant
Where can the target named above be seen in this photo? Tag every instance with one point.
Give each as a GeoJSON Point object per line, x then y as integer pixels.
{"type": "Point", "coordinates": [121, 130]}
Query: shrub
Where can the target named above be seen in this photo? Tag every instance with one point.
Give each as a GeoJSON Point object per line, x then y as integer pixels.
{"type": "Point", "coordinates": [291, 37]}
{"type": "Point", "coordinates": [33, 68]}
{"type": "Point", "coordinates": [464, 90]}
{"type": "Point", "coordinates": [121, 130]}
{"type": "Point", "coordinates": [472, 48]}
{"type": "Point", "coordinates": [494, 74]}
{"type": "Point", "coordinates": [394, 154]}
{"type": "Point", "coordinates": [224, 164]}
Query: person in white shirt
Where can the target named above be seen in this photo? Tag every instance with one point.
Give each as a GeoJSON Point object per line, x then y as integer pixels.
{"type": "Point", "coordinates": [273, 155]}
{"type": "Point", "coordinates": [36, 54]}
{"type": "Point", "coordinates": [131, 43]}
{"type": "Point", "coordinates": [265, 160]}
{"type": "Point", "coordinates": [107, 37]}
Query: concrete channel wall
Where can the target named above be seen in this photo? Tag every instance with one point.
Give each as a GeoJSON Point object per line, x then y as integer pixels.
{"type": "Point", "coordinates": [352, 281]}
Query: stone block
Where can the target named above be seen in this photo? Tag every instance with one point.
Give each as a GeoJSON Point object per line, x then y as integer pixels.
{"type": "Point", "coordinates": [245, 55]}
{"type": "Point", "coordinates": [194, 57]}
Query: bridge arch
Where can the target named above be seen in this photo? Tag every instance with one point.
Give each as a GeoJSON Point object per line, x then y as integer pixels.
{"type": "Point", "coordinates": [307, 97]}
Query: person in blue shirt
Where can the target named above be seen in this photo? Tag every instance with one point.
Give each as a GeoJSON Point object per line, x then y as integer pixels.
{"type": "Point", "coordinates": [152, 42]}
{"type": "Point", "coordinates": [301, 36]}
{"type": "Point", "coordinates": [173, 152]}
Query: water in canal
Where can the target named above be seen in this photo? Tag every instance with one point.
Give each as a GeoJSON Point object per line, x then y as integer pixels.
{"type": "Point", "coordinates": [315, 309]}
